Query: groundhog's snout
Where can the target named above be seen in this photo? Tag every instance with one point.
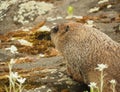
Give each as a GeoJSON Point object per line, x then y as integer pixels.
{"type": "Point", "coordinates": [67, 28]}
{"type": "Point", "coordinates": [55, 29]}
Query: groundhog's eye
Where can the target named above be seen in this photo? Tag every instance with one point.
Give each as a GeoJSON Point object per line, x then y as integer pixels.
{"type": "Point", "coordinates": [67, 28]}
{"type": "Point", "coordinates": [55, 29]}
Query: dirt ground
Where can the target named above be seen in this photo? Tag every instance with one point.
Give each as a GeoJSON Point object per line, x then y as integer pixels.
{"type": "Point", "coordinates": [48, 74]}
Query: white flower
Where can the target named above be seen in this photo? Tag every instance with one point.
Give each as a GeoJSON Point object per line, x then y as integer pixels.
{"type": "Point", "coordinates": [25, 42]}
{"type": "Point", "coordinates": [15, 75]}
{"type": "Point", "coordinates": [12, 61]}
{"type": "Point", "coordinates": [95, 9]}
{"type": "Point", "coordinates": [93, 85]}
{"type": "Point", "coordinates": [101, 67]}
{"type": "Point", "coordinates": [21, 80]}
{"type": "Point", "coordinates": [113, 81]}
{"type": "Point", "coordinates": [102, 1]}
{"type": "Point", "coordinates": [13, 49]}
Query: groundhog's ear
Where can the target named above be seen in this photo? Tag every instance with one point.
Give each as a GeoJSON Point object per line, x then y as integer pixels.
{"type": "Point", "coordinates": [55, 29]}
{"type": "Point", "coordinates": [67, 28]}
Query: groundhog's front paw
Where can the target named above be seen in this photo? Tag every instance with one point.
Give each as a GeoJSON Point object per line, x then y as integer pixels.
{"type": "Point", "coordinates": [74, 74]}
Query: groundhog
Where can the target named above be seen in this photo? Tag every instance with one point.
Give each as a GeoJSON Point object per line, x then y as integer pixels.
{"type": "Point", "coordinates": [84, 48]}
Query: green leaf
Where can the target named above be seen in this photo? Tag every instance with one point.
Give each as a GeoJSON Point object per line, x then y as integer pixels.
{"type": "Point", "coordinates": [70, 10]}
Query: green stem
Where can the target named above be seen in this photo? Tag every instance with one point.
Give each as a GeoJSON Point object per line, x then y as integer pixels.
{"type": "Point", "coordinates": [10, 79]}
{"type": "Point", "coordinates": [20, 87]}
{"type": "Point", "coordinates": [14, 86]}
{"type": "Point", "coordinates": [91, 89]}
{"type": "Point", "coordinates": [102, 81]}
{"type": "Point", "coordinates": [113, 87]}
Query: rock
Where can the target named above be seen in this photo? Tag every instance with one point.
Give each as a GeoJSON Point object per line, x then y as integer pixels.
{"type": "Point", "coordinates": [19, 14]}
{"type": "Point", "coordinates": [4, 57]}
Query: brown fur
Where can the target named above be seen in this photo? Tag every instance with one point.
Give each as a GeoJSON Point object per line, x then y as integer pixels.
{"type": "Point", "coordinates": [84, 47]}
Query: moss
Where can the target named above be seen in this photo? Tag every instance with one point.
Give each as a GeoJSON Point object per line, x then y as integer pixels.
{"type": "Point", "coordinates": [41, 41]}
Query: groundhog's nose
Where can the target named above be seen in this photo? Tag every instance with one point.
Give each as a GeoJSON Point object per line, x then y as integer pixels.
{"type": "Point", "coordinates": [55, 29]}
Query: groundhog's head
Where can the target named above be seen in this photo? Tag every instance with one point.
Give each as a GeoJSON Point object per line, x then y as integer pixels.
{"type": "Point", "coordinates": [64, 34]}
{"type": "Point", "coordinates": [62, 31]}
{"type": "Point", "coordinates": [58, 32]}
